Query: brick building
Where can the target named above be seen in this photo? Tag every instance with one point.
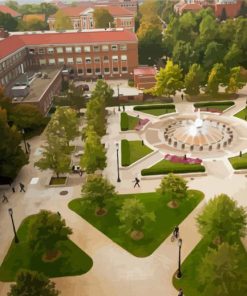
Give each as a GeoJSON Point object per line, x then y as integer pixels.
{"type": "Point", "coordinates": [82, 16]}
{"type": "Point", "coordinates": [144, 77]}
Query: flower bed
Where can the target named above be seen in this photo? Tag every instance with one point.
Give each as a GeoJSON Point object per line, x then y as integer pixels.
{"type": "Point", "coordinates": [141, 124]}
{"type": "Point", "coordinates": [182, 159]}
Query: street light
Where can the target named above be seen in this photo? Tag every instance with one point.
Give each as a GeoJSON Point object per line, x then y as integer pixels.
{"type": "Point", "coordinates": [179, 273]}
{"type": "Point", "coordinates": [13, 224]}
{"type": "Point", "coordinates": [118, 177]}
{"type": "Point", "coordinates": [118, 97]}
{"type": "Point", "coordinates": [24, 139]}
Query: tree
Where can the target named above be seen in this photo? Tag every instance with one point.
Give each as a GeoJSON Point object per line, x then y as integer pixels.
{"type": "Point", "coordinates": [8, 22]}
{"type": "Point", "coordinates": [233, 57]}
{"type": "Point", "coordinates": [62, 21]}
{"type": "Point", "coordinates": [12, 157]}
{"type": "Point", "coordinates": [220, 272]}
{"type": "Point", "coordinates": [222, 220]}
{"type": "Point", "coordinates": [94, 156]}
{"type": "Point", "coordinates": [173, 186]}
{"type": "Point", "coordinates": [33, 25]}
{"type": "Point", "coordinates": [216, 76]}
{"type": "Point", "coordinates": [236, 80]}
{"type": "Point", "coordinates": [104, 91]}
{"type": "Point", "coordinates": [48, 8]}
{"type": "Point", "coordinates": [168, 80]}
{"type": "Point", "coordinates": [54, 157]}
{"type": "Point", "coordinates": [32, 283]}
{"type": "Point", "coordinates": [97, 190]}
{"type": "Point", "coordinates": [214, 54]}
{"type": "Point", "coordinates": [12, 4]}
{"type": "Point", "coordinates": [193, 80]}
{"type": "Point", "coordinates": [46, 231]}
{"type": "Point", "coordinates": [134, 217]}
{"type": "Point", "coordinates": [102, 18]}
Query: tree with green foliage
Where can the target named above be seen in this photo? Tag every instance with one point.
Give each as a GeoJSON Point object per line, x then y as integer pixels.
{"type": "Point", "coordinates": [222, 220]}
{"type": "Point", "coordinates": [12, 157]}
{"type": "Point", "coordinates": [8, 22]}
{"type": "Point", "coordinates": [193, 80]}
{"type": "Point", "coordinates": [236, 80]}
{"type": "Point", "coordinates": [97, 190]}
{"type": "Point", "coordinates": [96, 115]}
{"type": "Point", "coordinates": [94, 156]}
{"type": "Point", "coordinates": [54, 156]}
{"type": "Point", "coordinates": [168, 80]}
{"type": "Point", "coordinates": [216, 76]}
{"type": "Point", "coordinates": [102, 18]}
{"type": "Point", "coordinates": [62, 21]}
{"type": "Point", "coordinates": [45, 233]}
{"type": "Point", "coordinates": [134, 217]}
{"type": "Point", "coordinates": [33, 25]}
{"type": "Point", "coordinates": [103, 90]}
{"type": "Point", "coordinates": [214, 54]}
{"type": "Point", "coordinates": [175, 187]}
{"type": "Point", "coordinates": [32, 283]}
{"type": "Point", "coordinates": [220, 273]}
{"type": "Point", "coordinates": [233, 57]}
{"type": "Point", "coordinates": [12, 4]}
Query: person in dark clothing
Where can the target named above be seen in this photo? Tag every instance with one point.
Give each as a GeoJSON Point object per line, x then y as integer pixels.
{"type": "Point", "coordinates": [137, 181]}
{"type": "Point", "coordinates": [28, 147]}
{"type": "Point", "coordinates": [182, 96]}
{"type": "Point", "coordinates": [59, 214]}
{"type": "Point", "coordinates": [176, 232]}
{"type": "Point", "coordinates": [22, 188]}
{"type": "Point", "coordinates": [5, 199]}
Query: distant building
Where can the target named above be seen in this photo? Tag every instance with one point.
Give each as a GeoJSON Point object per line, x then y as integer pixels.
{"type": "Point", "coordinates": [6, 9]}
{"type": "Point", "coordinates": [144, 77]}
{"type": "Point", "coordinates": [82, 16]}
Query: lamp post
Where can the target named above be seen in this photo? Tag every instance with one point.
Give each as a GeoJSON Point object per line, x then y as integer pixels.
{"type": "Point", "coordinates": [118, 98]}
{"type": "Point", "coordinates": [24, 139]}
{"type": "Point", "coordinates": [13, 224]}
{"type": "Point", "coordinates": [118, 177]}
{"type": "Point", "coordinates": [179, 273]}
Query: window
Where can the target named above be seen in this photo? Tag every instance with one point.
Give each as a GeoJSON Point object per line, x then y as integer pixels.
{"type": "Point", "coordinates": [106, 59]}
{"type": "Point", "coordinates": [105, 47]}
{"type": "Point", "coordinates": [123, 47]}
{"type": "Point", "coordinates": [96, 48]}
{"type": "Point", "coordinates": [114, 47]}
{"type": "Point", "coordinates": [78, 49]}
{"type": "Point", "coordinates": [88, 60]}
{"type": "Point", "coordinates": [50, 50]}
{"type": "Point", "coordinates": [106, 70]}
{"type": "Point", "coordinates": [124, 69]}
{"type": "Point", "coordinates": [78, 60]}
{"type": "Point", "coordinates": [115, 69]}
{"type": "Point", "coordinates": [89, 71]}
{"type": "Point", "coordinates": [87, 48]}
{"type": "Point", "coordinates": [80, 71]}
{"type": "Point", "coordinates": [70, 60]}
{"type": "Point", "coordinates": [41, 51]}
{"type": "Point", "coordinates": [114, 58]}
{"type": "Point", "coordinates": [59, 50]}
{"type": "Point", "coordinates": [60, 61]}
{"type": "Point", "coordinates": [68, 49]}
{"type": "Point", "coordinates": [97, 59]}
{"type": "Point", "coordinates": [123, 57]}
{"type": "Point", "coordinates": [97, 71]}
{"type": "Point", "coordinates": [52, 62]}
{"type": "Point", "coordinates": [42, 62]}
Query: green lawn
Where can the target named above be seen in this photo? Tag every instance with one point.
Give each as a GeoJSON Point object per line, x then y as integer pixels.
{"type": "Point", "coordinates": [156, 110]}
{"type": "Point", "coordinates": [156, 232]}
{"type": "Point", "coordinates": [131, 151]}
{"type": "Point", "coordinates": [128, 122]}
{"type": "Point", "coordinates": [133, 122]}
{"type": "Point", "coordinates": [73, 260]}
{"type": "Point", "coordinates": [238, 162]}
{"type": "Point", "coordinates": [165, 167]}
{"type": "Point", "coordinates": [189, 268]}
{"type": "Point", "coordinates": [241, 114]}
{"type": "Point", "coordinates": [207, 97]}
{"type": "Point", "coordinates": [221, 106]}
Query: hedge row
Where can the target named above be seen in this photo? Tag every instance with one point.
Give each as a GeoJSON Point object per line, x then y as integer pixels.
{"type": "Point", "coordinates": [226, 103]}
{"type": "Point", "coordinates": [161, 106]}
{"type": "Point", "coordinates": [125, 153]}
{"type": "Point", "coordinates": [190, 168]}
{"type": "Point", "coordinates": [124, 121]}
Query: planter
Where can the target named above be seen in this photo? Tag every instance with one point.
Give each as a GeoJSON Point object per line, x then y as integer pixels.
{"type": "Point", "coordinates": [58, 182]}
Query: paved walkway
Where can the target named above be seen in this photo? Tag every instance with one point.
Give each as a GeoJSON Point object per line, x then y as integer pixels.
{"type": "Point", "coordinates": [115, 272]}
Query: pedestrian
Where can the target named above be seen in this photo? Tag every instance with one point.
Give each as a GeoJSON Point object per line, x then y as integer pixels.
{"type": "Point", "coordinates": [80, 172]}
{"type": "Point", "coordinates": [58, 214]}
{"type": "Point", "coordinates": [22, 188]}
{"type": "Point", "coordinates": [142, 143]}
{"type": "Point", "coordinates": [28, 147]}
{"type": "Point", "coordinates": [5, 199]}
{"type": "Point", "coordinates": [137, 181]}
{"type": "Point", "coordinates": [123, 108]}
{"type": "Point", "coordinates": [176, 232]}
{"type": "Point", "coordinates": [185, 157]}
{"type": "Point", "coordinates": [182, 96]}
{"type": "Point", "coordinates": [180, 292]}
{"type": "Point", "coordinates": [240, 154]}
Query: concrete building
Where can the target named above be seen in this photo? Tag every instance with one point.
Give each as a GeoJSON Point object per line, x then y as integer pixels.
{"type": "Point", "coordinates": [82, 16]}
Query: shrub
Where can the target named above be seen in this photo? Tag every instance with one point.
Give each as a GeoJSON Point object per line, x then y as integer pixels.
{"type": "Point", "coordinates": [125, 149]}
{"type": "Point", "coordinates": [200, 105]}
{"type": "Point", "coordinates": [124, 121]}
{"type": "Point", "coordinates": [161, 106]}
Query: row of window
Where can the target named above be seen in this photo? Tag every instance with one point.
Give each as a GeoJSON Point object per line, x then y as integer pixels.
{"type": "Point", "coordinates": [79, 49]}
{"type": "Point", "coordinates": [10, 61]}
{"type": "Point", "coordinates": [98, 71]}
{"type": "Point", "coordinates": [12, 74]}
{"type": "Point", "coordinates": [79, 60]}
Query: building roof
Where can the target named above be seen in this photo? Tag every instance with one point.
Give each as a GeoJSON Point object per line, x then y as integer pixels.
{"type": "Point", "coordinates": [31, 17]}
{"type": "Point", "coordinates": [12, 12]}
{"type": "Point", "coordinates": [191, 7]}
{"type": "Point", "coordinates": [145, 71]}
{"type": "Point", "coordinates": [15, 42]}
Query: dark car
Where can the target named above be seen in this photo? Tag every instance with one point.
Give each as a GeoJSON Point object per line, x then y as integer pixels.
{"type": "Point", "coordinates": [85, 87]}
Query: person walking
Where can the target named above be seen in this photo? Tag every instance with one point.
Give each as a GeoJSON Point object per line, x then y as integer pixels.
{"type": "Point", "coordinates": [22, 188]}
{"type": "Point", "coordinates": [28, 147]}
{"type": "Point", "coordinates": [176, 232]}
{"type": "Point", "coordinates": [180, 292]}
{"type": "Point", "coordinates": [80, 172]}
{"type": "Point", "coordinates": [58, 213]}
{"type": "Point", "coordinates": [5, 199]}
{"type": "Point", "coordinates": [182, 96]}
{"type": "Point", "coordinates": [123, 108]}
{"type": "Point", "coordinates": [137, 181]}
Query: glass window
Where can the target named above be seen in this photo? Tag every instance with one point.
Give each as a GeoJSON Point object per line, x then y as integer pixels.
{"type": "Point", "coordinates": [97, 59]}
{"type": "Point", "coordinates": [115, 69]}
{"type": "Point", "coordinates": [80, 71]}
{"type": "Point", "coordinates": [123, 47]}
{"type": "Point", "coordinates": [87, 48]}
{"type": "Point", "coordinates": [89, 71]}
{"type": "Point", "coordinates": [124, 69]}
{"type": "Point", "coordinates": [78, 49]}
{"type": "Point", "coordinates": [68, 49]}
{"type": "Point", "coordinates": [115, 58]}
{"type": "Point", "coordinates": [42, 61]}
{"type": "Point", "coordinates": [106, 59]}
{"type": "Point", "coordinates": [97, 71]}
{"type": "Point", "coordinates": [41, 51]}
{"type": "Point", "coordinates": [78, 60]}
{"type": "Point", "coordinates": [52, 62]}
{"type": "Point", "coordinates": [88, 60]}
{"type": "Point", "coordinates": [106, 70]}
{"type": "Point", "coordinates": [50, 50]}
{"type": "Point", "coordinates": [61, 61]}
{"type": "Point", "coordinates": [105, 47]}
{"type": "Point", "coordinates": [123, 57]}
{"type": "Point", "coordinates": [114, 47]}
{"type": "Point", "coordinates": [70, 60]}
{"type": "Point", "coordinates": [96, 48]}
{"type": "Point", "coordinates": [59, 50]}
